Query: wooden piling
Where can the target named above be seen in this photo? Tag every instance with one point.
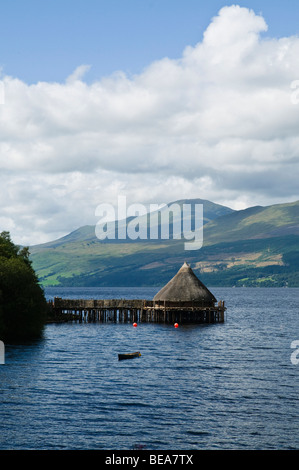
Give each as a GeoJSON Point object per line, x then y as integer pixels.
{"type": "Point", "coordinates": [123, 311]}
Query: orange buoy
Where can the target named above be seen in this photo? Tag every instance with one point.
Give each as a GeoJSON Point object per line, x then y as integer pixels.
{"type": "Point", "coordinates": [176, 325]}
{"type": "Point", "coordinates": [135, 324]}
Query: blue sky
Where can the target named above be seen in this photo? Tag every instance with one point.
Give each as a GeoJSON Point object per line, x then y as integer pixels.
{"type": "Point", "coordinates": [155, 100]}
{"type": "Point", "coordinates": [45, 40]}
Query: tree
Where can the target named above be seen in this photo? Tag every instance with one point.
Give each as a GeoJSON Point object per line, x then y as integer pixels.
{"type": "Point", "coordinates": [22, 302]}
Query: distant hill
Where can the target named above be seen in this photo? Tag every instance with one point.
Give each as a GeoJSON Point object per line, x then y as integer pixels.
{"type": "Point", "coordinates": [87, 233]}
{"type": "Point", "coordinates": [255, 222]}
{"type": "Point", "coordinates": [256, 246]}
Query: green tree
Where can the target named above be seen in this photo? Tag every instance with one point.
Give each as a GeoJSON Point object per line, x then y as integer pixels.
{"type": "Point", "coordinates": [22, 302]}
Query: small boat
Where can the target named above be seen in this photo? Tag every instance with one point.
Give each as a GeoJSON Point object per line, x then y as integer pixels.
{"type": "Point", "coordinates": [129, 355]}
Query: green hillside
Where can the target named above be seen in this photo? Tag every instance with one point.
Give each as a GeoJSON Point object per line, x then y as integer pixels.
{"type": "Point", "coordinates": [255, 222]}
{"type": "Point", "coordinates": [87, 233]}
{"type": "Point", "coordinates": [256, 246]}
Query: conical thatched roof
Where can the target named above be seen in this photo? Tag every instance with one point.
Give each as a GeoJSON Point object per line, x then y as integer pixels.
{"type": "Point", "coordinates": [185, 286]}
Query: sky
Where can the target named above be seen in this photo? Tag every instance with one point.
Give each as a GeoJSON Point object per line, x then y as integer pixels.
{"type": "Point", "coordinates": [155, 100]}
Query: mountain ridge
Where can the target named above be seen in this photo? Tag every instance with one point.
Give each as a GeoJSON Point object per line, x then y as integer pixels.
{"type": "Point", "coordinates": [87, 232]}
{"type": "Point", "coordinates": [254, 246]}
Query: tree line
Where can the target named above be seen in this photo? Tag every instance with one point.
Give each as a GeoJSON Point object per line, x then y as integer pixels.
{"type": "Point", "coordinates": [23, 306]}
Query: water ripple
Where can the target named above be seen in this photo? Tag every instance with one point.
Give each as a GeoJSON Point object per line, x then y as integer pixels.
{"type": "Point", "coordinates": [228, 386]}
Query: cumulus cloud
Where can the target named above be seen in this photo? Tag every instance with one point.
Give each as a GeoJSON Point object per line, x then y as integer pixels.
{"type": "Point", "coordinates": [217, 123]}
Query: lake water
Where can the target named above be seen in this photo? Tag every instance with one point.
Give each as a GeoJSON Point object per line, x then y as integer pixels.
{"type": "Point", "coordinates": [218, 386]}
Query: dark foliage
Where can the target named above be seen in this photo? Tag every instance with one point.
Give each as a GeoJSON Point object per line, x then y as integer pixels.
{"type": "Point", "coordinates": [22, 302]}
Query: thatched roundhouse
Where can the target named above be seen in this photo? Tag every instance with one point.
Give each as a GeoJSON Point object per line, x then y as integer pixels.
{"type": "Point", "coordinates": [185, 287]}
{"type": "Point", "coordinates": [184, 299]}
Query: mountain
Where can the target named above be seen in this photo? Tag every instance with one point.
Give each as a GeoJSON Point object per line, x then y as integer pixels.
{"type": "Point", "coordinates": [255, 246]}
{"type": "Point", "coordinates": [255, 222]}
{"type": "Point", "coordinates": [87, 233]}
{"type": "Point", "coordinates": [258, 246]}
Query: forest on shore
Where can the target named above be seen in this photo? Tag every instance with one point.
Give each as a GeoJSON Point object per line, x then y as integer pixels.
{"type": "Point", "coordinates": [23, 305]}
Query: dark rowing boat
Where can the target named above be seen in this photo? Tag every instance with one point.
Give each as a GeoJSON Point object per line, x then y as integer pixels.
{"type": "Point", "coordinates": [128, 355]}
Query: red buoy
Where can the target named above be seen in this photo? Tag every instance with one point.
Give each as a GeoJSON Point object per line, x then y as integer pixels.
{"type": "Point", "coordinates": [134, 324]}
{"type": "Point", "coordinates": [176, 325]}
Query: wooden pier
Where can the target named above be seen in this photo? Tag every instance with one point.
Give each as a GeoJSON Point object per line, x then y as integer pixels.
{"type": "Point", "coordinates": [130, 311]}
{"type": "Point", "coordinates": [184, 299]}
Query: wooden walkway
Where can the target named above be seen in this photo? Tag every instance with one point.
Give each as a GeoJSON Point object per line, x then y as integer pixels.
{"type": "Point", "coordinates": [130, 311]}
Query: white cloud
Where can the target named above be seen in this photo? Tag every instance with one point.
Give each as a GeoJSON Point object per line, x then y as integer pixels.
{"type": "Point", "coordinates": [78, 74]}
{"type": "Point", "coordinates": [218, 123]}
